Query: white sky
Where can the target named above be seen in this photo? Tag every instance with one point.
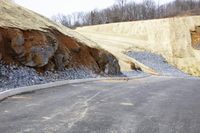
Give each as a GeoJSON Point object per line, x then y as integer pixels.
{"type": "Point", "coordinates": [49, 8]}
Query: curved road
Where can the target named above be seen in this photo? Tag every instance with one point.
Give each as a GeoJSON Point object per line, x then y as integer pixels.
{"type": "Point", "coordinates": [147, 105]}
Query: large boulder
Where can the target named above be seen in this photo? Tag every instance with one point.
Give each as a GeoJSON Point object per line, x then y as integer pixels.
{"type": "Point", "coordinates": [106, 62]}
{"type": "Point", "coordinates": [62, 58]}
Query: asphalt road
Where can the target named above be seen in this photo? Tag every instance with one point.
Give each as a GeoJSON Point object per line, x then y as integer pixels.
{"type": "Point", "coordinates": [147, 105]}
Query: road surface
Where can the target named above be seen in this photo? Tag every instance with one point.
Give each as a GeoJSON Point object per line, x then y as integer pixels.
{"type": "Point", "coordinates": [146, 105]}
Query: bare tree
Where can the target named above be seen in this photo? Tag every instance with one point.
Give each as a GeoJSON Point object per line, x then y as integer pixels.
{"type": "Point", "coordinates": [149, 9]}
{"type": "Point", "coordinates": [62, 19]}
{"type": "Point", "coordinates": [121, 4]}
{"type": "Point", "coordinates": [123, 11]}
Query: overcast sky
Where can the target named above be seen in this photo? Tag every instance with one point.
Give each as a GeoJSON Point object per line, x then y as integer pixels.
{"type": "Point", "coordinates": [49, 8]}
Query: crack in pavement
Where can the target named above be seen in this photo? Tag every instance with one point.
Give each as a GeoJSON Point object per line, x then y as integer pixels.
{"type": "Point", "coordinates": [83, 114]}
{"type": "Point", "coordinates": [79, 110]}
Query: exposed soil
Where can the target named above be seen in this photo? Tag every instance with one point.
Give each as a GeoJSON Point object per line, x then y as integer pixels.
{"type": "Point", "coordinates": [196, 38]}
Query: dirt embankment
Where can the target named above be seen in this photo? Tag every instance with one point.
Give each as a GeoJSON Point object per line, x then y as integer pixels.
{"type": "Point", "coordinates": [176, 39]}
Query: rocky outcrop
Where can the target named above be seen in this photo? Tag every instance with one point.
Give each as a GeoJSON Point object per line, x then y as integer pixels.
{"type": "Point", "coordinates": [29, 39]}
{"type": "Point", "coordinates": [52, 50]}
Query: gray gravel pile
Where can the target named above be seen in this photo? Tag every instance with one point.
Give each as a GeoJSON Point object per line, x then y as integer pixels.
{"type": "Point", "coordinates": [12, 76]}
{"type": "Point", "coordinates": [69, 74]}
{"type": "Point", "coordinates": [158, 63]}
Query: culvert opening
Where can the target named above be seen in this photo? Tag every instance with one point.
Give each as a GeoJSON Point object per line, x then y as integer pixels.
{"type": "Point", "coordinates": [195, 35]}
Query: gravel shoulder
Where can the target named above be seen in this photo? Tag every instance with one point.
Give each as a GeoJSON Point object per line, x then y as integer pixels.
{"type": "Point", "coordinates": [12, 76]}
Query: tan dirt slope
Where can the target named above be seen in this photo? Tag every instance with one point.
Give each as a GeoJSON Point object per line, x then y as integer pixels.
{"type": "Point", "coordinates": [29, 39]}
{"type": "Point", "coordinates": [176, 39]}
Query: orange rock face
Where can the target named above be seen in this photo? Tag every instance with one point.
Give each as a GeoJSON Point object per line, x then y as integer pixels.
{"type": "Point", "coordinates": [30, 48]}
{"type": "Point", "coordinates": [52, 51]}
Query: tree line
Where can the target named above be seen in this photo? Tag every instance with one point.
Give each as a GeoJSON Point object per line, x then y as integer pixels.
{"type": "Point", "coordinates": [123, 11]}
